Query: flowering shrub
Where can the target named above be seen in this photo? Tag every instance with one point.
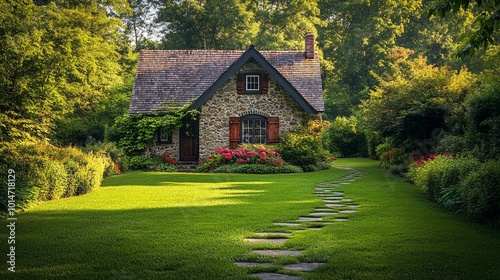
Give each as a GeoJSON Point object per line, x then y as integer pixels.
{"type": "Point", "coordinates": [166, 159]}
{"type": "Point", "coordinates": [246, 155]}
{"type": "Point", "coordinates": [167, 163]}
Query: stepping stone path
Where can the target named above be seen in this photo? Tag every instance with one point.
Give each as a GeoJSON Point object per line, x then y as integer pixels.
{"type": "Point", "coordinates": [335, 204]}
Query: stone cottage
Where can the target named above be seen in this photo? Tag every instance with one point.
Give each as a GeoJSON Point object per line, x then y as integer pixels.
{"type": "Point", "coordinates": [243, 96]}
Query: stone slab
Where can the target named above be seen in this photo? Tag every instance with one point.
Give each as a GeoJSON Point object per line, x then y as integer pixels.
{"type": "Point", "coordinates": [273, 234]}
{"type": "Point", "coordinates": [302, 266]}
{"type": "Point", "coordinates": [252, 264]}
{"type": "Point", "coordinates": [323, 213]}
{"type": "Point", "coordinates": [287, 224]}
{"type": "Point", "coordinates": [334, 205]}
{"type": "Point", "coordinates": [275, 276]}
{"type": "Point", "coordinates": [313, 219]}
{"type": "Point", "coordinates": [348, 211]}
{"type": "Point", "coordinates": [266, 240]}
{"type": "Point", "coordinates": [277, 252]}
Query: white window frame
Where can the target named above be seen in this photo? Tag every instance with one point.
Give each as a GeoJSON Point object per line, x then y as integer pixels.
{"type": "Point", "coordinates": [252, 83]}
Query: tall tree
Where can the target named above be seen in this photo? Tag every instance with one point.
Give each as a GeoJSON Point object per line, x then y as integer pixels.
{"type": "Point", "coordinates": [487, 21]}
{"type": "Point", "coordinates": [355, 41]}
{"type": "Point", "coordinates": [236, 24]}
{"type": "Point", "coordinates": [55, 59]}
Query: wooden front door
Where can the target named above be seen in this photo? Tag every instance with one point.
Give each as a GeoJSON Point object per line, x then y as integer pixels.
{"type": "Point", "coordinates": [189, 140]}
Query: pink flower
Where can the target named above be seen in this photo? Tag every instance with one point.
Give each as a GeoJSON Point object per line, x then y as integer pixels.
{"type": "Point", "coordinates": [240, 160]}
{"type": "Point", "coordinates": [332, 158]}
{"type": "Point", "coordinates": [263, 157]}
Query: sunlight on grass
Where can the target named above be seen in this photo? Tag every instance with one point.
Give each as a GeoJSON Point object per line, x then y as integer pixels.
{"type": "Point", "coordinates": [167, 194]}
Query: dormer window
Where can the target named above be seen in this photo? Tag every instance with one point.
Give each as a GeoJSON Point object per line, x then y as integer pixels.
{"type": "Point", "coordinates": [252, 83]}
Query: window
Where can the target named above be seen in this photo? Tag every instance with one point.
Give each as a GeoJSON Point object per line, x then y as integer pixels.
{"type": "Point", "coordinates": [254, 129]}
{"type": "Point", "coordinates": [164, 136]}
{"type": "Point", "coordinates": [252, 83]}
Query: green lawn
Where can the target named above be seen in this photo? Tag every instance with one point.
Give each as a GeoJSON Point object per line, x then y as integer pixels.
{"type": "Point", "coordinates": [191, 226]}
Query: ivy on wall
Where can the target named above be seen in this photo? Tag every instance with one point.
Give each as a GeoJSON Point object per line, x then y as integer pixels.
{"type": "Point", "coordinates": [133, 132]}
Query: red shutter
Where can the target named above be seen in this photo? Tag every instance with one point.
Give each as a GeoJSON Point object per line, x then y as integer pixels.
{"type": "Point", "coordinates": [234, 132]}
{"type": "Point", "coordinates": [240, 83]}
{"type": "Point", "coordinates": [265, 83]}
{"type": "Point", "coordinates": [273, 130]}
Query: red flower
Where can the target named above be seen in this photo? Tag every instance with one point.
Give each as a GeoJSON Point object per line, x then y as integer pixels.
{"type": "Point", "coordinates": [263, 157]}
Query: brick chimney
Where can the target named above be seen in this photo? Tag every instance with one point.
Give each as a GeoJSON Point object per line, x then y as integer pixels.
{"type": "Point", "coordinates": [309, 45]}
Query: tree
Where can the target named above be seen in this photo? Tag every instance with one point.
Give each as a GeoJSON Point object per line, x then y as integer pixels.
{"type": "Point", "coordinates": [56, 58]}
{"type": "Point", "coordinates": [355, 41]}
{"type": "Point", "coordinates": [487, 19]}
{"type": "Point", "coordinates": [237, 24]}
{"type": "Point", "coordinates": [415, 101]}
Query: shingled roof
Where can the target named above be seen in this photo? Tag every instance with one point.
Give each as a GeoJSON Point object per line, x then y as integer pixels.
{"type": "Point", "coordinates": [184, 76]}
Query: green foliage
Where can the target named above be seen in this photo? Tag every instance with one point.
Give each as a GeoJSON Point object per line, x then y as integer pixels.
{"type": "Point", "coordinates": [234, 24]}
{"type": "Point", "coordinates": [257, 169]}
{"type": "Point", "coordinates": [56, 60]}
{"type": "Point", "coordinates": [133, 132]}
{"type": "Point", "coordinates": [110, 150]}
{"type": "Point", "coordinates": [44, 172]}
{"type": "Point", "coordinates": [141, 163]}
{"type": "Point", "coordinates": [346, 139]}
{"type": "Point", "coordinates": [487, 21]}
{"type": "Point", "coordinates": [261, 158]}
{"type": "Point", "coordinates": [304, 147]}
{"type": "Point", "coordinates": [411, 105]}
{"type": "Point", "coordinates": [481, 193]}
{"type": "Point", "coordinates": [443, 175]}
{"type": "Point", "coordinates": [483, 120]}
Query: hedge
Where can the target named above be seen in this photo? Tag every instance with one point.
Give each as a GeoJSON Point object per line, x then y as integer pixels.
{"type": "Point", "coordinates": [44, 172]}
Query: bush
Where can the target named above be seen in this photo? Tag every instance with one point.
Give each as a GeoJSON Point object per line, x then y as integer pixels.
{"type": "Point", "coordinates": [44, 172]}
{"type": "Point", "coordinates": [481, 193]}
{"type": "Point", "coordinates": [304, 147]}
{"type": "Point", "coordinates": [346, 139]}
{"type": "Point", "coordinates": [257, 169]}
{"type": "Point", "coordinates": [483, 122]}
{"type": "Point", "coordinates": [246, 159]}
{"type": "Point", "coordinates": [141, 163]}
{"type": "Point", "coordinates": [442, 175]}
{"type": "Point", "coordinates": [119, 161]}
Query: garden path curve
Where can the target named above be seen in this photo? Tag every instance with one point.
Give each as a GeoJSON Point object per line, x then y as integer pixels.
{"type": "Point", "coordinates": [336, 209]}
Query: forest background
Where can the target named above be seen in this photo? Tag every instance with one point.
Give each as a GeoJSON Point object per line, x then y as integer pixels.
{"type": "Point", "coordinates": [403, 79]}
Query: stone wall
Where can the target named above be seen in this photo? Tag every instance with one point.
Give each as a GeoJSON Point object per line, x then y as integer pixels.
{"type": "Point", "coordinates": [226, 103]}
{"type": "Point", "coordinates": [155, 149]}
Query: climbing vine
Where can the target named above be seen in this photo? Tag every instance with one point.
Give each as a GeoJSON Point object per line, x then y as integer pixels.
{"type": "Point", "coordinates": [133, 132]}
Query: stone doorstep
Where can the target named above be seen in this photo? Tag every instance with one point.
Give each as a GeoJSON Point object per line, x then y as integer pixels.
{"type": "Point", "coordinates": [302, 266]}
{"type": "Point", "coordinates": [275, 276]}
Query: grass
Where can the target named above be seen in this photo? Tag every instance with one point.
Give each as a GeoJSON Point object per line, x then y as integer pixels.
{"type": "Point", "coordinates": [191, 226]}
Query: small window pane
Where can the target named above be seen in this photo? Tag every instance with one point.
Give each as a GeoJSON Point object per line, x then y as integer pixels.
{"type": "Point", "coordinates": [252, 82]}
